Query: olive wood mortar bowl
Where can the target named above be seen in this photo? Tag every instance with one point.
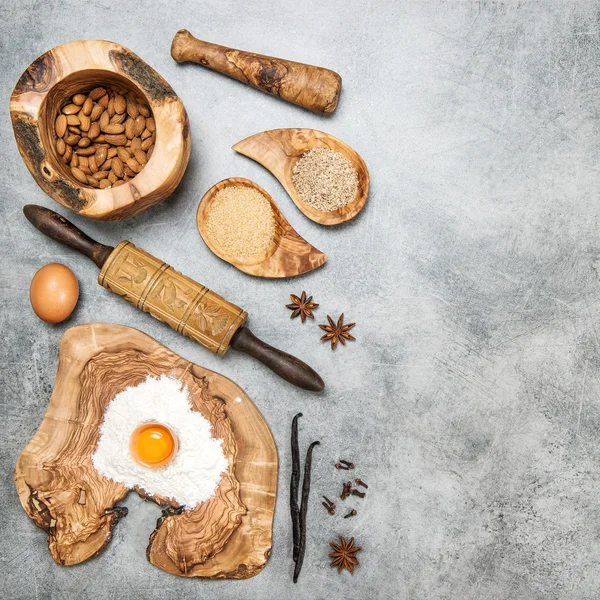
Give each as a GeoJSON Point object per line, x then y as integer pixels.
{"type": "Point", "coordinates": [80, 66]}
{"type": "Point", "coordinates": [288, 255]}
{"type": "Point", "coordinates": [278, 150]}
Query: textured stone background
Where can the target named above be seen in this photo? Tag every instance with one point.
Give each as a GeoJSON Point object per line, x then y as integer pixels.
{"type": "Point", "coordinates": [471, 398]}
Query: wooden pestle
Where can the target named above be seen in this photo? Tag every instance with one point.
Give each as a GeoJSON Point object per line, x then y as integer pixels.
{"type": "Point", "coordinates": [185, 305]}
{"type": "Point", "coordinates": [315, 88]}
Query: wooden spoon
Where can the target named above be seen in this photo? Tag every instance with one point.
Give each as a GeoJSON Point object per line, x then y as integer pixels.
{"type": "Point", "coordinates": [278, 150]}
{"type": "Point", "coordinates": [288, 255]}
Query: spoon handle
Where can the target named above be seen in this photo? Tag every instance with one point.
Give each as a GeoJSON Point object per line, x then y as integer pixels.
{"type": "Point", "coordinates": [315, 88]}
{"type": "Point", "coordinates": [285, 365]}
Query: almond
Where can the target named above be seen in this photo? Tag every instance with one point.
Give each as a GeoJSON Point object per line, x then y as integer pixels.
{"type": "Point", "coordinates": [91, 181]}
{"type": "Point", "coordinates": [104, 183]}
{"type": "Point", "coordinates": [150, 151]}
{"type": "Point", "coordinates": [118, 183]}
{"type": "Point", "coordinates": [140, 125]}
{"type": "Point", "coordinates": [129, 128]}
{"type": "Point", "coordinates": [117, 118]}
{"type": "Point", "coordinates": [103, 102]}
{"type": "Point", "coordinates": [61, 146]}
{"type": "Point", "coordinates": [84, 122]}
{"type": "Point", "coordinates": [132, 109]}
{"type": "Point", "coordinates": [94, 131]}
{"type": "Point", "coordinates": [79, 99]}
{"type": "Point", "coordinates": [112, 177]}
{"type": "Point", "coordinates": [68, 155]}
{"type": "Point", "coordinates": [100, 175]}
{"type": "Point", "coordinates": [96, 112]}
{"type": "Point", "coordinates": [73, 129]}
{"type": "Point", "coordinates": [113, 128]}
{"type": "Point", "coordinates": [84, 142]}
{"type": "Point", "coordinates": [116, 140]}
{"type": "Point", "coordinates": [83, 162]}
{"type": "Point", "coordinates": [143, 110]}
{"type": "Point", "coordinates": [92, 164]}
{"type": "Point", "coordinates": [123, 154]}
{"type": "Point", "coordinates": [74, 160]}
{"type": "Point", "coordinates": [150, 125]}
{"type": "Point", "coordinates": [134, 165]}
{"type": "Point", "coordinates": [136, 144]}
{"type": "Point", "coordinates": [147, 143]}
{"type": "Point", "coordinates": [73, 120]}
{"type": "Point", "coordinates": [128, 171]}
{"type": "Point", "coordinates": [140, 156]}
{"type": "Point", "coordinates": [111, 153]}
{"type": "Point", "coordinates": [104, 119]}
{"type": "Point", "coordinates": [111, 107]}
{"type": "Point", "coordinates": [146, 134]}
{"type": "Point", "coordinates": [79, 174]}
{"type": "Point", "coordinates": [120, 104]}
{"type": "Point", "coordinates": [117, 166]}
{"type": "Point", "coordinates": [87, 107]}
{"type": "Point", "coordinates": [71, 109]}
{"type": "Point", "coordinates": [86, 151]}
{"type": "Point", "coordinates": [60, 125]}
{"type": "Point", "coordinates": [97, 93]}
{"type": "Point", "coordinates": [72, 139]}
{"type": "Point", "coordinates": [100, 156]}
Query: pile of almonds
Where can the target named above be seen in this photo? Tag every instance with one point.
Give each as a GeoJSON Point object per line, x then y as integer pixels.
{"type": "Point", "coordinates": [106, 137]}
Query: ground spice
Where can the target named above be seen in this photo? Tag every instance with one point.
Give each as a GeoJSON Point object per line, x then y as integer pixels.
{"type": "Point", "coordinates": [325, 179]}
{"type": "Point", "coordinates": [241, 222]}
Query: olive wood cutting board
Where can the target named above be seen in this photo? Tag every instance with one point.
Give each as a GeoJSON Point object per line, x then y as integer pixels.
{"type": "Point", "coordinates": [229, 536]}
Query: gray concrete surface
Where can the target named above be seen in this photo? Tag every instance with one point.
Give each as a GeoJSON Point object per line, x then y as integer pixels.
{"type": "Point", "coordinates": [471, 400]}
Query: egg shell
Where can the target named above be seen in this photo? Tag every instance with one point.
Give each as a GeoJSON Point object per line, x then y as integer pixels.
{"type": "Point", "coordinates": [54, 292]}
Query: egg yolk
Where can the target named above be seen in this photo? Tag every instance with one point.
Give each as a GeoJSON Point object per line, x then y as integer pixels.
{"type": "Point", "coordinates": [152, 445]}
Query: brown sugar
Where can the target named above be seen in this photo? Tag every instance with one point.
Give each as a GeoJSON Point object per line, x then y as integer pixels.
{"type": "Point", "coordinates": [241, 222]}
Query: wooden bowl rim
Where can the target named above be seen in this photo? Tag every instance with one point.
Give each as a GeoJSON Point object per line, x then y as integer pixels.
{"type": "Point", "coordinates": [321, 217]}
{"type": "Point", "coordinates": [205, 204]}
{"type": "Point", "coordinates": [144, 180]}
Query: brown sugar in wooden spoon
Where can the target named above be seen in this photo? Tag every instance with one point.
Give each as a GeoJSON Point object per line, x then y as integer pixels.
{"type": "Point", "coordinates": [278, 150]}
{"type": "Point", "coordinates": [288, 255]}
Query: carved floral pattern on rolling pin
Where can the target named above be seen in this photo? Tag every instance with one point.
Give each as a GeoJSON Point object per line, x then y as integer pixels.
{"type": "Point", "coordinates": [156, 288]}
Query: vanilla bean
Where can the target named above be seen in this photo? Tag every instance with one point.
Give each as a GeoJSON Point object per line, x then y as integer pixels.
{"type": "Point", "coordinates": [295, 511]}
{"type": "Point", "coordinates": [303, 510]}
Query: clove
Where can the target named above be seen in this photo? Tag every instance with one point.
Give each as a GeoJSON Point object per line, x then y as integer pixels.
{"type": "Point", "coordinates": [358, 493]}
{"type": "Point", "coordinates": [344, 465]}
{"type": "Point", "coordinates": [328, 508]}
{"type": "Point", "coordinates": [352, 513]}
{"type": "Point", "coordinates": [359, 482]}
{"type": "Point", "coordinates": [329, 505]}
{"type": "Point", "coordinates": [347, 490]}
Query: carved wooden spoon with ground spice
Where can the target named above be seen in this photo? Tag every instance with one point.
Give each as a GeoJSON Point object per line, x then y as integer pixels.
{"type": "Point", "coordinates": [242, 225]}
{"type": "Point", "coordinates": [281, 151]}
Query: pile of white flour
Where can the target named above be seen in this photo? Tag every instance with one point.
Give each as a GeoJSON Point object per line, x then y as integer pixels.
{"type": "Point", "coordinates": [195, 471]}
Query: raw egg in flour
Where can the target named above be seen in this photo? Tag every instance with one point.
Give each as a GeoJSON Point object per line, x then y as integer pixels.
{"type": "Point", "coordinates": [153, 445]}
{"type": "Point", "coordinates": [54, 292]}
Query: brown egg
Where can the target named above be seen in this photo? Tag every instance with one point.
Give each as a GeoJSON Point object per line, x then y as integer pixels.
{"type": "Point", "coordinates": [54, 292]}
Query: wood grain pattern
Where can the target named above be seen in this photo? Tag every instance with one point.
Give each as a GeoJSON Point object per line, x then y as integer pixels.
{"type": "Point", "coordinates": [315, 88]}
{"type": "Point", "coordinates": [278, 150]}
{"type": "Point", "coordinates": [83, 65]}
{"type": "Point", "coordinates": [182, 303]}
{"type": "Point", "coordinates": [229, 536]}
{"type": "Point", "coordinates": [289, 253]}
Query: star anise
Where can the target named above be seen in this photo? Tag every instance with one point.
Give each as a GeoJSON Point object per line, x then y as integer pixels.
{"type": "Point", "coordinates": [302, 306]}
{"type": "Point", "coordinates": [337, 333]}
{"type": "Point", "coordinates": [344, 555]}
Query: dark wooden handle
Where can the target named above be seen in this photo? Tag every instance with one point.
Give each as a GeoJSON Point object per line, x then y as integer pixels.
{"type": "Point", "coordinates": [315, 88]}
{"type": "Point", "coordinates": [55, 226]}
{"type": "Point", "coordinates": [285, 365]}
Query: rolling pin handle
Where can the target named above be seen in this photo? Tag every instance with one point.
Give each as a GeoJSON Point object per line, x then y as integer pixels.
{"type": "Point", "coordinates": [55, 226]}
{"type": "Point", "coordinates": [285, 365]}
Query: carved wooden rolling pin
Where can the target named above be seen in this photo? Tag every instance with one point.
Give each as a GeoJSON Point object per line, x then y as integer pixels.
{"type": "Point", "coordinates": [315, 88]}
{"type": "Point", "coordinates": [188, 307]}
